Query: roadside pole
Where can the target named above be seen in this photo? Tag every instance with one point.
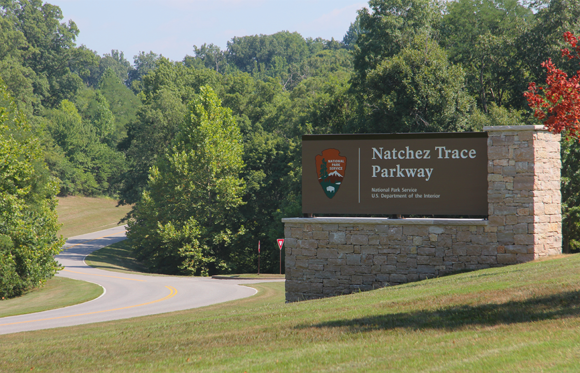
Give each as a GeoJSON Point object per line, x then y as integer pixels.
{"type": "Point", "coordinates": [280, 244]}
{"type": "Point", "coordinates": [258, 258]}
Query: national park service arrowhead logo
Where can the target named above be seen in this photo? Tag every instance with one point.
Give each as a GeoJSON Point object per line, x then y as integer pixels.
{"type": "Point", "coordinates": [331, 168]}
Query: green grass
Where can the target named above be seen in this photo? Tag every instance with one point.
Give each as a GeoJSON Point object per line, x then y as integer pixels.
{"type": "Point", "coordinates": [80, 215]}
{"type": "Point", "coordinates": [116, 257]}
{"type": "Point", "coordinates": [58, 292]}
{"type": "Point", "coordinates": [514, 319]}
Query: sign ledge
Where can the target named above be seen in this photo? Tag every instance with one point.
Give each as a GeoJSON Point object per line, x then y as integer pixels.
{"type": "Point", "coordinates": [515, 128]}
{"type": "Point", "coordinates": [387, 221]}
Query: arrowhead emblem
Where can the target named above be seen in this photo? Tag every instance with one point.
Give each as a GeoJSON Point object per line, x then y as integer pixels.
{"type": "Point", "coordinates": [331, 168]}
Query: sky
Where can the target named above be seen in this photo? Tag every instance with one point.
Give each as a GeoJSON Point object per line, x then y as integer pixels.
{"type": "Point", "coordinates": [172, 27]}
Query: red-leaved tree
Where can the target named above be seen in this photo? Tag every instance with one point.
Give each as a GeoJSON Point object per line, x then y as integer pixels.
{"type": "Point", "coordinates": [558, 103]}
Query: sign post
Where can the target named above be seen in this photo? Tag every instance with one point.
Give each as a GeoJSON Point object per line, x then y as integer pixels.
{"type": "Point", "coordinates": [280, 244]}
{"type": "Point", "coordinates": [258, 258]}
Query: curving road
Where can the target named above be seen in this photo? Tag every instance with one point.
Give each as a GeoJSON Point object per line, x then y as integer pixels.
{"type": "Point", "coordinates": [126, 295]}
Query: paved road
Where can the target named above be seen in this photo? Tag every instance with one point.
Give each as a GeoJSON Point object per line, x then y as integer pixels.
{"type": "Point", "coordinates": [126, 295]}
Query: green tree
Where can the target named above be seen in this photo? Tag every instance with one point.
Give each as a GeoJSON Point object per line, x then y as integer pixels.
{"type": "Point", "coordinates": [114, 61]}
{"type": "Point", "coordinates": [123, 103]}
{"type": "Point", "coordinates": [148, 138]}
{"type": "Point", "coordinates": [483, 37]}
{"type": "Point", "coordinates": [417, 90]}
{"type": "Point", "coordinates": [386, 28]}
{"type": "Point", "coordinates": [570, 195]}
{"type": "Point", "coordinates": [351, 36]}
{"type": "Point", "coordinates": [49, 50]}
{"type": "Point", "coordinates": [323, 170]}
{"type": "Point", "coordinates": [81, 157]}
{"type": "Point", "coordinates": [257, 53]}
{"type": "Point", "coordinates": [143, 63]}
{"type": "Point", "coordinates": [28, 219]}
{"type": "Point", "coordinates": [544, 40]}
{"type": "Point", "coordinates": [211, 56]}
{"type": "Point", "coordinates": [183, 223]}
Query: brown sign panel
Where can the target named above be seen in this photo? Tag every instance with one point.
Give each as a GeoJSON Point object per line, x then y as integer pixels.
{"type": "Point", "coordinates": [407, 174]}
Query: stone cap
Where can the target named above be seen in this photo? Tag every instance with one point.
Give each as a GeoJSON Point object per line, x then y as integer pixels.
{"type": "Point", "coordinates": [515, 128]}
{"type": "Point", "coordinates": [387, 221]}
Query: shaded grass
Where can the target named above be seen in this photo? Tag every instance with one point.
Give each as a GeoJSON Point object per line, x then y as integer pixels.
{"type": "Point", "coordinates": [116, 257]}
{"type": "Point", "coordinates": [119, 257]}
{"type": "Point", "coordinates": [58, 292]}
{"type": "Point", "coordinates": [521, 318]}
{"type": "Point", "coordinates": [80, 215]}
{"type": "Point", "coordinates": [266, 276]}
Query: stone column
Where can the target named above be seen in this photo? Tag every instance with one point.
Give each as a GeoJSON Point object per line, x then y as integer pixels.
{"type": "Point", "coordinates": [524, 193]}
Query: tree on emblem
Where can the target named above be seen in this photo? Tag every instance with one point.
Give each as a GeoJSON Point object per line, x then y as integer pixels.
{"type": "Point", "coordinates": [323, 170]}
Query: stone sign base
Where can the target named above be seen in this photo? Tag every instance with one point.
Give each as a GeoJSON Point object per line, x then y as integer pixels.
{"type": "Point", "coordinates": [333, 256]}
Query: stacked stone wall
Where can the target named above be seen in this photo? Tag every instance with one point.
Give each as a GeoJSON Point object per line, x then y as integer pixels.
{"type": "Point", "coordinates": [341, 255]}
{"type": "Point", "coordinates": [333, 256]}
{"type": "Point", "coordinates": [524, 193]}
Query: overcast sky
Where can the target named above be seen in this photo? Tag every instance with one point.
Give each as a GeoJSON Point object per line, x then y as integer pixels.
{"type": "Point", "coordinates": [172, 27]}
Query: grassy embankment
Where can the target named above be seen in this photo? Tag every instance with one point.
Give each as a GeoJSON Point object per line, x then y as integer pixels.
{"type": "Point", "coordinates": [78, 215]}
{"type": "Point", "coordinates": [116, 257]}
{"type": "Point", "coordinates": [520, 318]}
{"type": "Point", "coordinates": [58, 292]}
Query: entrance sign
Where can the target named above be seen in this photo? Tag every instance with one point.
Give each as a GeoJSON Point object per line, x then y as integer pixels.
{"type": "Point", "coordinates": [408, 174]}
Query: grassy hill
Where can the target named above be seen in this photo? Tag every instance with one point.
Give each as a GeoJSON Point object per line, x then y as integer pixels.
{"type": "Point", "coordinates": [80, 215]}
{"type": "Point", "coordinates": [520, 318]}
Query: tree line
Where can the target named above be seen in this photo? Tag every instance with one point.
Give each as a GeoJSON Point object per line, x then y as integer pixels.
{"type": "Point", "coordinates": [207, 149]}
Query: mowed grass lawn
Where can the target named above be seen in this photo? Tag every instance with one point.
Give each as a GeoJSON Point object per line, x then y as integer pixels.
{"type": "Point", "coordinates": [56, 293]}
{"type": "Point", "coordinates": [522, 318]}
{"type": "Point", "coordinates": [80, 215]}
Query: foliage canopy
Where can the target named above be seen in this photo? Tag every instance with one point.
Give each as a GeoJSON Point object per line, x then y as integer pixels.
{"type": "Point", "coordinates": [182, 222]}
{"type": "Point", "coordinates": [28, 219]}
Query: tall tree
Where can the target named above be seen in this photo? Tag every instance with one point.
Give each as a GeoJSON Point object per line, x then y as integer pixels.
{"type": "Point", "coordinates": [211, 56]}
{"type": "Point", "coordinates": [183, 222]}
{"type": "Point", "coordinates": [114, 61]}
{"type": "Point", "coordinates": [483, 36]}
{"type": "Point", "coordinates": [123, 103]}
{"type": "Point", "coordinates": [50, 49]}
{"type": "Point", "coordinates": [261, 53]}
{"type": "Point", "coordinates": [28, 219]}
{"type": "Point", "coordinates": [417, 90]}
{"type": "Point", "coordinates": [143, 63]}
{"type": "Point", "coordinates": [387, 27]}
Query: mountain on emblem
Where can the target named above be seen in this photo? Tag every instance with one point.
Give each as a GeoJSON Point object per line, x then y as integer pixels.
{"type": "Point", "coordinates": [331, 167]}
